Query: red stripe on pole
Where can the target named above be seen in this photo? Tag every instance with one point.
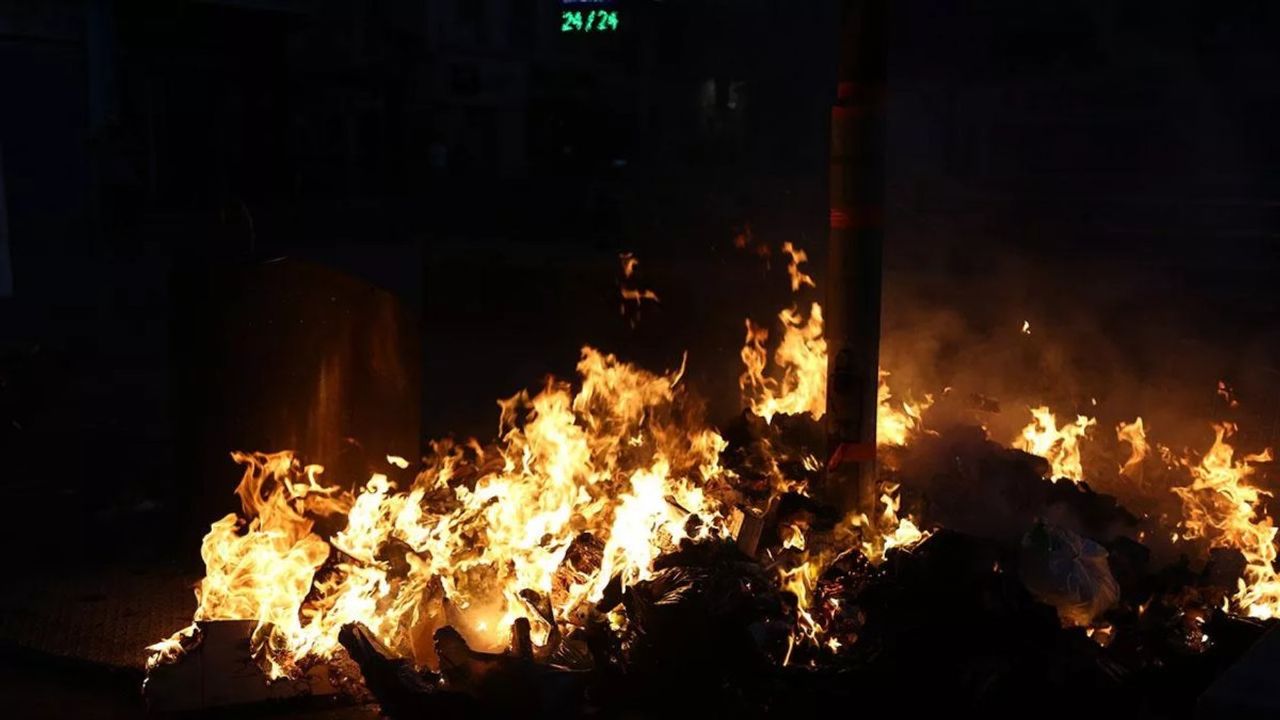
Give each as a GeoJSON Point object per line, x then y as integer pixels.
{"type": "Point", "coordinates": [843, 113]}
{"type": "Point", "coordinates": [852, 453]}
{"type": "Point", "coordinates": [842, 219]}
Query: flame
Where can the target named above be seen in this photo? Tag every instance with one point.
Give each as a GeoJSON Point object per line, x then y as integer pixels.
{"type": "Point", "coordinates": [1102, 633]}
{"type": "Point", "coordinates": [625, 458]}
{"type": "Point", "coordinates": [801, 581]}
{"type": "Point", "coordinates": [895, 531]}
{"type": "Point", "coordinates": [1060, 446]}
{"type": "Point", "coordinates": [801, 357]}
{"type": "Point", "coordinates": [1227, 394]}
{"type": "Point", "coordinates": [624, 465]}
{"type": "Point", "coordinates": [629, 263]}
{"type": "Point", "coordinates": [792, 536]}
{"type": "Point", "coordinates": [1221, 505]}
{"type": "Point", "coordinates": [797, 257]}
{"type": "Point", "coordinates": [896, 426]}
{"type": "Point", "coordinates": [638, 296]}
{"type": "Point", "coordinates": [1135, 434]}
{"type": "Point", "coordinates": [631, 294]}
{"type": "Point", "coordinates": [1026, 327]}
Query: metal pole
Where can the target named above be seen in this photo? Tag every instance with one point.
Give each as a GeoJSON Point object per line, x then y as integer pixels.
{"type": "Point", "coordinates": [854, 254]}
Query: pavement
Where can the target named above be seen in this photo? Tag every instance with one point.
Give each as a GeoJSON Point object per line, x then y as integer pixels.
{"type": "Point", "coordinates": [73, 645]}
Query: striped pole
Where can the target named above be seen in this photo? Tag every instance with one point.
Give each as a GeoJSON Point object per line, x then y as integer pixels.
{"type": "Point", "coordinates": [856, 239]}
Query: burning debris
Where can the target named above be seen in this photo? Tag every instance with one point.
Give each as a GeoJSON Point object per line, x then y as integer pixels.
{"type": "Point", "coordinates": [613, 550]}
{"type": "Point", "coordinates": [1135, 434]}
{"type": "Point", "coordinates": [1223, 506]}
{"type": "Point", "coordinates": [801, 357]}
{"type": "Point", "coordinates": [1059, 445]}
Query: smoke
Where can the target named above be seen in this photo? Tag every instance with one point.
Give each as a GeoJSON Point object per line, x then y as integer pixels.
{"type": "Point", "coordinates": [1115, 334]}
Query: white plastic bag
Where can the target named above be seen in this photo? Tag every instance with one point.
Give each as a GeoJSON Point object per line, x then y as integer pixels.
{"type": "Point", "coordinates": [1067, 571]}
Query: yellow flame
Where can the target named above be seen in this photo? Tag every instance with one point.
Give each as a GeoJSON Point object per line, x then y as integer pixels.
{"type": "Point", "coordinates": [1134, 433]}
{"type": "Point", "coordinates": [1060, 446]}
{"type": "Point", "coordinates": [801, 358]}
{"type": "Point", "coordinates": [895, 426]}
{"type": "Point", "coordinates": [631, 294]}
{"type": "Point", "coordinates": [894, 531]}
{"type": "Point", "coordinates": [1102, 633]}
{"type": "Point", "coordinates": [1227, 394]}
{"type": "Point", "coordinates": [1222, 506]}
{"type": "Point", "coordinates": [797, 257]}
{"type": "Point", "coordinates": [801, 581]}
{"type": "Point", "coordinates": [625, 458]}
{"type": "Point", "coordinates": [638, 296]}
{"type": "Point", "coordinates": [629, 263]}
{"type": "Point", "coordinates": [792, 536]}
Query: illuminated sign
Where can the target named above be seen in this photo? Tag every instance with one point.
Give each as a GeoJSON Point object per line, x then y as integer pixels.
{"type": "Point", "coordinates": [588, 21]}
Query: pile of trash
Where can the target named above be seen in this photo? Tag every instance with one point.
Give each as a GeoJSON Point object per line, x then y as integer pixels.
{"type": "Point", "coordinates": [1027, 596]}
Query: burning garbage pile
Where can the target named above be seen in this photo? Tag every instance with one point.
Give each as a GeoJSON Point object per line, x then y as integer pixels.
{"type": "Point", "coordinates": [614, 551]}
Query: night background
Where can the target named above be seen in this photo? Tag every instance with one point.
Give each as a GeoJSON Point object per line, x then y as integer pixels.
{"type": "Point", "coordinates": [207, 205]}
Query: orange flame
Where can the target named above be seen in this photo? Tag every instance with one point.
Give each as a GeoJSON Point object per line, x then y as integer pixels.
{"type": "Point", "coordinates": [1221, 505]}
{"type": "Point", "coordinates": [625, 459]}
{"type": "Point", "coordinates": [632, 294]}
{"type": "Point", "coordinates": [801, 357]}
{"type": "Point", "coordinates": [1135, 434]}
{"type": "Point", "coordinates": [801, 581]}
{"type": "Point", "coordinates": [1227, 394]}
{"type": "Point", "coordinates": [798, 257]}
{"type": "Point", "coordinates": [896, 426]}
{"type": "Point", "coordinates": [895, 531]}
{"type": "Point", "coordinates": [1060, 446]}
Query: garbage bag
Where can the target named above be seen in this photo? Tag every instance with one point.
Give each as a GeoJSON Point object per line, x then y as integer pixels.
{"type": "Point", "coordinates": [1067, 571]}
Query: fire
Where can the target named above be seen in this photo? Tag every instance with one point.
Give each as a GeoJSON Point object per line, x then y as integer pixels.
{"type": "Point", "coordinates": [629, 264]}
{"type": "Point", "coordinates": [1227, 394]}
{"type": "Point", "coordinates": [801, 357]}
{"type": "Point", "coordinates": [1222, 506]}
{"type": "Point", "coordinates": [895, 531]}
{"type": "Point", "coordinates": [632, 294]}
{"type": "Point", "coordinates": [1135, 434]}
{"type": "Point", "coordinates": [801, 581]}
{"type": "Point", "coordinates": [638, 296]}
{"type": "Point", "coordinates": [1060, 446]}
{"type": "Point", "coordinates": [798, 257]}
{"type": "Point", "coordinates": [802, 387]}
{"type": "Point", "coordinates": [792, 536]}
{"type": "Point", "coordinates": [625, 458]}
{"type": "Point", "coordinates": [894, 426]}
{"type": "Point", "coordinates": [592, 483]}
{"type": "Point", "coordinates": [265, 572]}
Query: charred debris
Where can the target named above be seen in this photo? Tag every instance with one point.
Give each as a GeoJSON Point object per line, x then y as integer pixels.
{"type": "Point", "coordinates": [1028, 596]}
